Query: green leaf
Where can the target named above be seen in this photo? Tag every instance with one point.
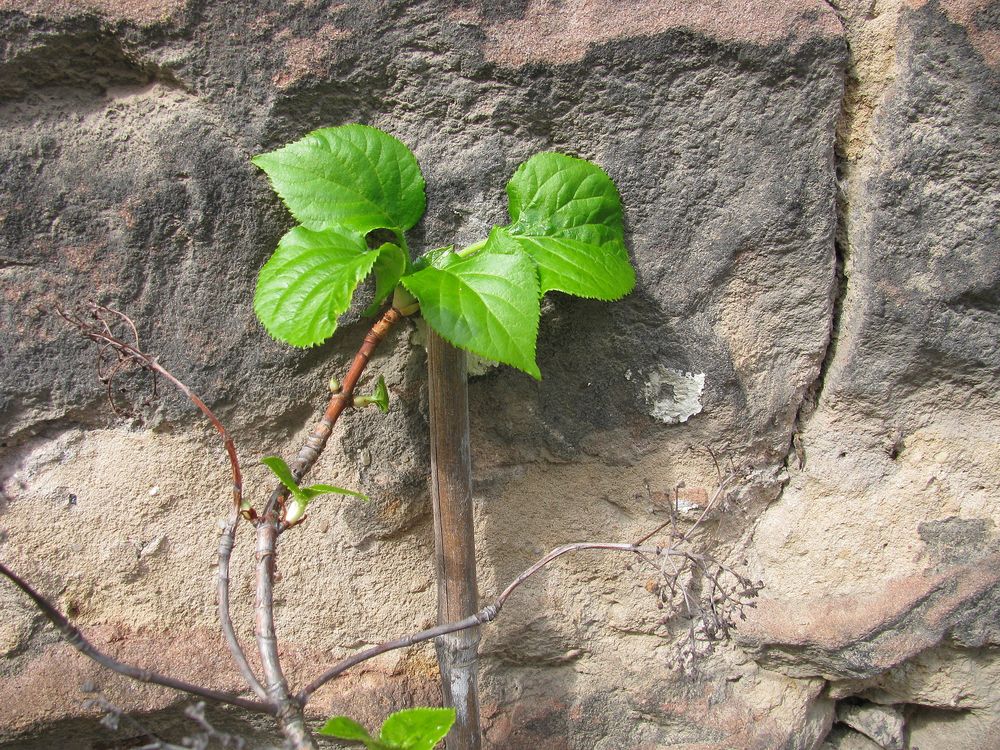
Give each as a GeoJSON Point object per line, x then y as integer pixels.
{"type": "Point", "coordinates": [486, 303]}
{"type": "Point", "coordinates": [309, 282]}
{"type": "Point", "coordinates": [581, 268]}
{"type": "Point", "coordinates": [280, 469]}
{"type": "Point", "coordinates": [379, 398]}
{"type": "Point", "coordinates": [344, 728]}
{"type": "Point", "coordinates": [435, 257]}
{"type": "Point", "coordinates": [353, 176]}
{"type": "Point", "coordinates": [381, 395]}
{"type": "Point", "coordinates": [567, 215]}
{"type": "Point", "coordinates": [302, 496]}
{"type": "Point", "coordinates": [389, 268]}
{"type": "Point", "coordinates": [417, 728]}
{"type": "Point", "coordinates": [315, 490]}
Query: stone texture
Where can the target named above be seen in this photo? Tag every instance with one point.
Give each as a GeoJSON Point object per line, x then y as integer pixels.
{"type": "Point", "coordinates": [879, 556]}
{"type": "Point", "coordinates": [844, 738]}
{"type": "Point", "coordinates": [885, 725]}
{"type": "Point", "coordinates": [811, 200]}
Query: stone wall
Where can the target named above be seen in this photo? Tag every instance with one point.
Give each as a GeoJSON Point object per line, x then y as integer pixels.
{"type": "Point", "coordinates": [811, 193]}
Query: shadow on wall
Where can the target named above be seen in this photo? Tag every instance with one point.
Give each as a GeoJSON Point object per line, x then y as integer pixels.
{"type": "Point", "coordinates": [137, 730]}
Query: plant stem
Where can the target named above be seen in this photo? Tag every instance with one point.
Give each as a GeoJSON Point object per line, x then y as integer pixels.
{"type": "Point", "coordinates": [316, 442]}
{"type": "Point", "coordinates": [75, 638]}
{"type": "Point", "coordinates": [454, 537]}
{"type": "Point", "coordinates": [289, 711]}
{"type": "Point", "coordinates": [226, 543]}
{"type": "Point", "coordinates": [472, 249]}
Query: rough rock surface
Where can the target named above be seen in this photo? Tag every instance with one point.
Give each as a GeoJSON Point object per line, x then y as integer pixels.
{"type": "Point", "coordinates": [881, 552]}
{"type": "Point", "coordinates": [811, 195]}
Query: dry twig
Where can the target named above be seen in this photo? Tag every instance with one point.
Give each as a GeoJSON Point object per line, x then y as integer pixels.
{"type": "Point", "coordinates": [97, 326]}
{"type": "Point", "coordinates": [75, 638]}
{"type": "Point", "coordinates": [710, 595]}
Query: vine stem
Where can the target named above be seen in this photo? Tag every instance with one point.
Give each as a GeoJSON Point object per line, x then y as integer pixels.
{"type": "Point", "coordinates": [103, 335]}
{"type": "Point", "coordinates": [127, 352]}
{"type": "Point", "coordinates": [75, 638]}
{"type": "Point", "coordinates": [289, 712]}
{"type": "Point", "coordinates": [227, 541]}
{"type": "Point", "coordinates": [483, 616]}
{"type": "Point", "coordinates": [320, 434]}
{"type": "Point", "coordinates": [270, 525]}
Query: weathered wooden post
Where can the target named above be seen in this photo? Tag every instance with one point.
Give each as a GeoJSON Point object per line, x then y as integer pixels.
{"type": "Point", "coordinates": [454, 537]}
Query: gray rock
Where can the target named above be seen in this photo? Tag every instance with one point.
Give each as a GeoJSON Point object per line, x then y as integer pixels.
{"type": "Point", "coordinates": [844, 738]}
{"type": "Point", "coordinates": [885, 725]}
{"type": "Point", "coordinates": [879, 554]}
{"type": "Point", "coordinates": [125, 136]}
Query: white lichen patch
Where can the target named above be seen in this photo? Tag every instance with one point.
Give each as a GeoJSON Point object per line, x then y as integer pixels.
{"type": "Point", "coordinates": [674, 396]}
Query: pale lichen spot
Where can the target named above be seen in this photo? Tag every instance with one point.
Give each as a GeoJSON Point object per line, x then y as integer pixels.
{"type": "Point", "coordinates": [674, 396]}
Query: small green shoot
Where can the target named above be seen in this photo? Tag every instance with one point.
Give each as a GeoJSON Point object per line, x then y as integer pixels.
{"type": "Point", "coordinates": [409, 729]}
{"type": "Point", "coordinates": [295, 508]}
{"type": "Point", "coordinates": [379, 398]}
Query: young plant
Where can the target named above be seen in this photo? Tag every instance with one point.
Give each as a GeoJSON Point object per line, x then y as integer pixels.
{"type": "Point", "coordinates": [350, 184]}
{"type": "Point", "coordinates": [301, 496]}
{"type": "Point", "coordinates": [356, 192]}
{"type": "Point", "coordinates": [409, 729]}
{"type": "Point", "coordinates": [354, 186]}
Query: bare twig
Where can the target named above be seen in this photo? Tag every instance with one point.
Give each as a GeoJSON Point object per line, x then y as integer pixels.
{"type": "Point", "coordinates": [289, 711]}
{"type": "Point", "coordinates": [227, 540]}
{"type": "Point", "coordinates": [75, 638]}
{"type": "Point", "coordinates": [229, 741]}
{"type": "Point", "coordinates": [114, 717]}
{"type": "Point", "coordinates": [128, 352]}
{"type": "Point", "coordinates": [707, 623]}
{"type": "Point", "coordinates": [483, 616]}
{"type": "Point", "coordinates": [719, 492]}
{"type": "Point", "coordinates": [96, 327]}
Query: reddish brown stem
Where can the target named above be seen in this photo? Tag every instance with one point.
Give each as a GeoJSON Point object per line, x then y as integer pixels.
{"type": "Point", "coordinates": [133, 353]}
{"type": "Point", "coordinates": [321, 432]}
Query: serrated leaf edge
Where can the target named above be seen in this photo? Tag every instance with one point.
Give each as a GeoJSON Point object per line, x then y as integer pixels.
{"type": "Point", "coordinates": [536, 374]}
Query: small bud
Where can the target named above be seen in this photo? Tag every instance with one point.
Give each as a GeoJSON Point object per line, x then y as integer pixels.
{"type": "Point", "coordinates": [404, 302]}
{"type": "Point", "coordinates": [294, 510]}
{"type": "Point", "coordinates": [335, 385]}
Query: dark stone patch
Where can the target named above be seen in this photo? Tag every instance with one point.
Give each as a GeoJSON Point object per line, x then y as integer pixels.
{"type": "Point", "coordinates": [923, 262]}
{"type": "Point", "coordinates": [957, 541]}
{"type": "Point", "coordinates": [987, 18]}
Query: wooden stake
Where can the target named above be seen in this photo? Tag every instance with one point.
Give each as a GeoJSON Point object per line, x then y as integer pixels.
{"type": "Point", "coordinates": [454, 537]}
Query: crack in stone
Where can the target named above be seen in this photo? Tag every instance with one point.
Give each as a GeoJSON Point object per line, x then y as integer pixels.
{"type": "Point", "coordinates": [838, 282]}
